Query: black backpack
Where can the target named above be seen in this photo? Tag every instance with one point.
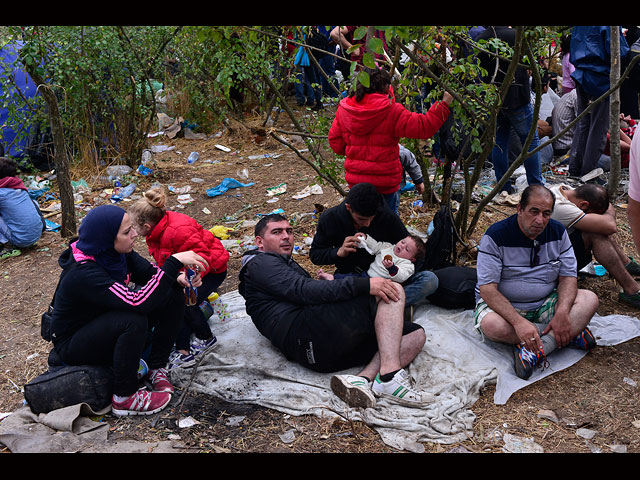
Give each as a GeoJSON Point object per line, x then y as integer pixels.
{"type": "Point", "coordinates": [456, 288]}
{"type": "Point", "coordinates": [441, 244]}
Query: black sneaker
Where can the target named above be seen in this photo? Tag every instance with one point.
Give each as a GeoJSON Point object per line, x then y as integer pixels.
{"type": "Point", "coordinates": [525, 362]}
{"type": "Point", "coordinates": [584, 341]}
{"type": "Point", "coordinates": [633, 268]}
{"type": "Point", "coordinates": [630, 299]}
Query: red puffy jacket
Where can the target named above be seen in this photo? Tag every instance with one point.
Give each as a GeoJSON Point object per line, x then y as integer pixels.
{"type": "Point", "coordinates": [368, 132]}
{"type": "Point", "coordinates": [177, 232]}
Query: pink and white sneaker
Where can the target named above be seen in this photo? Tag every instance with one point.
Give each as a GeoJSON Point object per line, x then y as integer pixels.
{"type": "Point", "coordinates": [160, 380]}
{"type": "Point", "coordinates": [143, 402]}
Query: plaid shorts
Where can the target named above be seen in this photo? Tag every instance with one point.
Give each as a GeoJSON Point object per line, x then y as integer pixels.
{"type": "Point", "coordinates": [542, 315]}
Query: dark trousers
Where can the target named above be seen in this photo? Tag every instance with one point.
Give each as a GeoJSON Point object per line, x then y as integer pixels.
{"type": "Point", "coordinates": [193, 320]}
{"type": "Point", "coordinates": [590, 136]}
{"type": "Point", "coordinates": [118, 339]}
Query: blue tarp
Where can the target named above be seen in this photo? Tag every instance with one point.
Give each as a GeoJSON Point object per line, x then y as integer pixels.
{"type": "Point", "coordinates": [12, 68]}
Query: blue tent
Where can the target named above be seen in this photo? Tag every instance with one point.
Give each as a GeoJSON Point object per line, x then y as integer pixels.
{"type": "Point", "coordinates": [15, 83]}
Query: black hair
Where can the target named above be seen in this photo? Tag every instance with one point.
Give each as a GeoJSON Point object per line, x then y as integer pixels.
{"type": "Point", "coordinates": [364, 199]}
{"type": "Point", "coordinates": [596, 195]}
{"type": "Point", "coordinates": [379, 80]}
{"type": "Point", "coordinates": [524, 198]}
{"type": "Point", "coordinates": [421, 249]}
{"type": "Point", "coordinates": [261, 226]}
{"type": "Point", "coordinates": [8, 168]}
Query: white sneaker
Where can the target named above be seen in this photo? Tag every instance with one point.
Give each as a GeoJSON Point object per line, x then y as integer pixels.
{"type": "Point", "coordinates": [355, 391]}
{"type": "Point", "coordinates": [399, 390]}
{"type": "Point", "coordinates": [180, 360]}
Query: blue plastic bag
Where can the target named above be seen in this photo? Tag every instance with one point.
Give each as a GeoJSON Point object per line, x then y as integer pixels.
{"type": "Point", "coordinates": [225, 185]}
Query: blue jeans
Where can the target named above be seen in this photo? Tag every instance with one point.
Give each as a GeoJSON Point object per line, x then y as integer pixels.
{"type": "Point", "coordinates": [327, 63]}
{"type": "Point", "coordinates": [393, 200]}
{"type": "Point", "coordinates": [419, 286]}
{"type": "Point", "coordinates": [520, 120]}
{"type": "Point", "coordinates": [306, 92]}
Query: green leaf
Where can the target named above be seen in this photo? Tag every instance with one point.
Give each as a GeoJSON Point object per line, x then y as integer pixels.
{"type": "Point", "coordinates": [375, 45]}
{"type": "Point", "coordinates": [363, 78]}
{"type": "Point", "coordinates": [368, 60]}
{"type": "Point", "coordinates": [359, 33]}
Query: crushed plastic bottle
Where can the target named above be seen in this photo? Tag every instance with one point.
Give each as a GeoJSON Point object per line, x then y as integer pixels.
{"type": "Point", "coordinates": [193, 157]}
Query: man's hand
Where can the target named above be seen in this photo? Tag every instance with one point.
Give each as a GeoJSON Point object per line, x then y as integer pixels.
{"type": "Point", "coordinates": [561, 326]}
{"type": "Point", "coordinates": [384, 289]}
{"type": "Point", "coordinates": [348, 246]}
{"type": "Point", "coordinates": [528, 335]}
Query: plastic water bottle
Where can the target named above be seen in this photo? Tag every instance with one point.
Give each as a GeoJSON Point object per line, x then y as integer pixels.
{"type": "Point", "coordinates": [127, 191]}
{"type": "Point", "coordinates": [219, 308]}
{"type": "Point", "coordinates": [193, 157]}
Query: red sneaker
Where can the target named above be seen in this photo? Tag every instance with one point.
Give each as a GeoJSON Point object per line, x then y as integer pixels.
{"type": "Point", "coordinates": [143, 402]}
{"type": "Point", "coordinates": [160, 380]}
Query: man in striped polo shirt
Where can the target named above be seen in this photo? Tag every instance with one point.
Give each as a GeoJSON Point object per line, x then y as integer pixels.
{"type": "Point", "coordinates": [527, 293]}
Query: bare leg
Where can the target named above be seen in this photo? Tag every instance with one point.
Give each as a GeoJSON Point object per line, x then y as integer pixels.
{"type": "Point", "coordinates": [605, 251]}
{"type": "Point", "coordinates": [395, 351]}
{"type": "Point", "coordinates": [583, 309]}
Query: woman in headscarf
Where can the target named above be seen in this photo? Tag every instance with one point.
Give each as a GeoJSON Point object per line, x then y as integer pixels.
{"type": "Point", "coordinates": [108, 300]}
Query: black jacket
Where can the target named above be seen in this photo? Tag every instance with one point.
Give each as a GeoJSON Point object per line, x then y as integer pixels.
{"type": "Point", "coordinates": [86, 291]}
{"type": "Point", "coordinates": [276, 291]}
{"type": "Point", "coordinates": [519, 93]}
{"type": "Point", "coordinates": [336, 224]}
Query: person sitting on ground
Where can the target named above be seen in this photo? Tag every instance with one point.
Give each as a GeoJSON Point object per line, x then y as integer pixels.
{"type": "Point", "coordinates": [590, 220]}
{"type": "Point", "coordinates": [167, 232]}
{"type": "Point", "coordinates": [110, 300]}
{"type": "Point", "coordinates": [336, 242]}
{"type": "Point", "coordinates": [527, 294]}
{"type": "Point", "coordinates": [21, 223]}
{"type": "Point", "coordinates": [395, 262]}
{"type": "Point", "coordinates": [330, 326]}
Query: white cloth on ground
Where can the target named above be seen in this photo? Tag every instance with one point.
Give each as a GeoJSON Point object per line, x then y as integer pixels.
{"type": "Point", "coordinates": [454, 365]}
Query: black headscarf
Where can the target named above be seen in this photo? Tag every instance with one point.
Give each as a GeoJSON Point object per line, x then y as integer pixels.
{"type": "Point", "coordinates": [97, 235]}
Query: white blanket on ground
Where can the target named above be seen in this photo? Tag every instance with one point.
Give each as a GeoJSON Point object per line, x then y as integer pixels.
{"type": "Point", "coordinates": [454, 365]}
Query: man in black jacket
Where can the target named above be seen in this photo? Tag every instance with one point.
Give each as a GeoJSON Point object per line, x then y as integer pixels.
{"type": "Point", "coordinates": [328, 326]}
{"type": "Point", "coordinates": [516, 111]}
{"type": "Point", "coordinates": [364, 210]}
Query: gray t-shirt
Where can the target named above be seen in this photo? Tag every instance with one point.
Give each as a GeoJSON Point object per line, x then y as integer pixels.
{"type": "Point", "coordinates": [525, 270]}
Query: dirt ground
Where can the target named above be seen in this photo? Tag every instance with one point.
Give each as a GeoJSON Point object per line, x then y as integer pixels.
{"type": "Point", "coordinates": [599, 393]}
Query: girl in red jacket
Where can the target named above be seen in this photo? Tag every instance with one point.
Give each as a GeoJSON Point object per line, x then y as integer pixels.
{"type": "Point", "coordinates": [166, 233]}
{"type": "Point", "coordinates": [368, 127]}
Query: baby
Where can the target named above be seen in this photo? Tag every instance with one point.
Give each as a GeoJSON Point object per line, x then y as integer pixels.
{"type": "Point", "coordinates": [396, 262]}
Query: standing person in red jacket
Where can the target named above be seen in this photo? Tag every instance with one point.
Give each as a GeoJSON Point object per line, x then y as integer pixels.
{"type": "Point", "coordinates": [166, 233]}
{"type": "Point", "coordinates": [368, 127]}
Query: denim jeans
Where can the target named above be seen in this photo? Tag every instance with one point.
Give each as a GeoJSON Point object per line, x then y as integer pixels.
{"type": "Point", "coordinates": [416, 289]}
{"type": "Point", "coordinates": [520, 119]}
{"type": "Point", "coordinates": [419, 286]}
{"type": "Point", "coordinates": [393, 200]}
{"type": "Point", "coordinates": [304, 87]}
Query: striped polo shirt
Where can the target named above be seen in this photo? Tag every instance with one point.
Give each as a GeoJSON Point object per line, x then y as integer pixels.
{"type": "Point", "coordinates": [525, 270]}
{"type": "Point", "coordinates": [564, 112]}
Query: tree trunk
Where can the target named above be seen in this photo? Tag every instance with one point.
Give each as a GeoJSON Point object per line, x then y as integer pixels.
{"type": "Point", "coordinates": [614, 115]}
{"type": "Point", "coordinates": [61, 161]}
